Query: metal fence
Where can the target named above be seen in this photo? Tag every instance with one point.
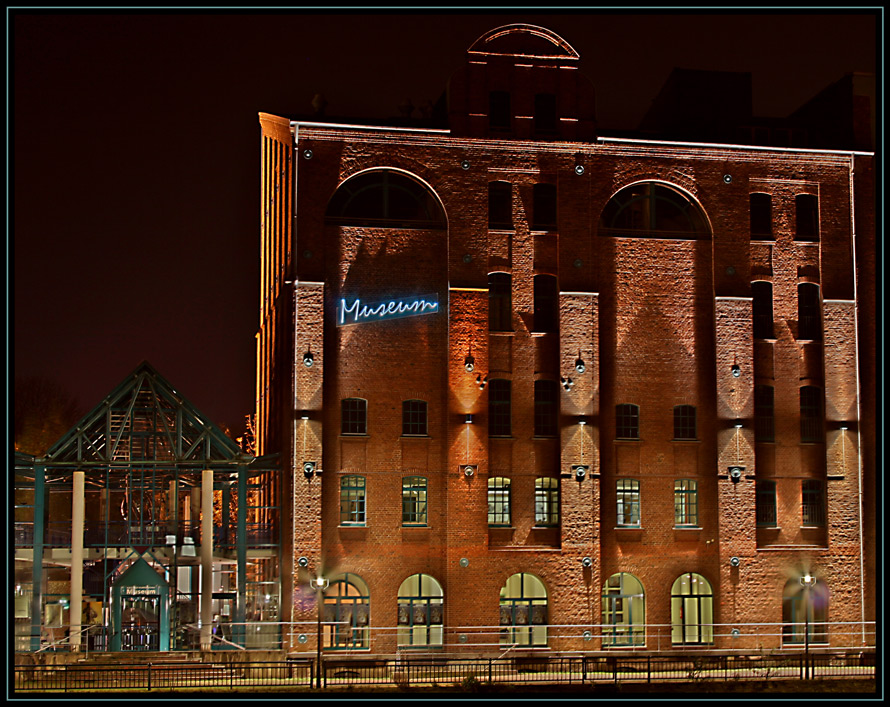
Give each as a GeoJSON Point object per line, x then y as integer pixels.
{"type": "Point", "coordinates": [444, 672]}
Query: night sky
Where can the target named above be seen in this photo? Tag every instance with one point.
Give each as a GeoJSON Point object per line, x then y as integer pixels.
{"type": "Point", "coordinates": [133, 229]}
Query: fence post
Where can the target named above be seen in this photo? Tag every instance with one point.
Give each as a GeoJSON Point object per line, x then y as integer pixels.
{"type": "Point", "coordinates": [649, 669]}
{"type": "Point", "coordinates": [149, 677]}
{"type": "Point", "coordinates": [489, 671]}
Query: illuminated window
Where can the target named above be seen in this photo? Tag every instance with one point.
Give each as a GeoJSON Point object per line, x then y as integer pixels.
{"type": "Point", "coordinates": [523, 611]}
{"type": "Point", "coordinates": [627, 421]}
{"type": "Point", "coordinates": [628, 502]}
{"type": "Point", "coordinates": [414, 417]}
{"type": "Point", "coordinates": [692, 610]}
{"type": "Point", "coordinates": [546, 312]}
{"type": "Point", "coordinates": [546, 501]}
{"type": "Point", "coordinates": [765, 503]}
{"type": "Point", "coordinates": [498, 501]}
{"type": "Point", "coordinates": [347, 614]}
{"type": "Point", "coordinates": [804, 608]}
{"type": "Point", "coordinates": [653, 210]}
{"type": "Point", "coordinates": [414, 500]}
{"type": "Point", "coordinates": [813, 503]}
{"type": "Point", "coordinates": [764, 413]}
{"type": "Point", "coordinates": [684, 422]}
{"type": "Point", "coordinates": [385, 198]}
{"type": "Point", "coordinates": [810, 414]}
{"type": "Point", "coordinates": [354, 416]}
{"type": "Point", "coordinates": [545, 113]}
{"type": "Point", "coordinates": [499, 117]}
{"type": "Point", "coordinates": [499, 408]}
{"type": "Point", "coordinates": [809, 312]}
{"type": "Point", "coordinates": [546, 408]}
{"type": "Point", "coordinates": [544, 207]}
{"type": "Point", "coordinates": [685, 503]}
{"type": "Point", "coordinates": [352, 500]}
{"type": "Point", "coordinates": [762, 309]}
{"type": "Point", "coordinates": [807, 217]}
{"type": "Point", "coordinates": [761, 217]}
{"type": "Point", "coordinates": [624, 611]}
{"type": "Point", "coordinates": [421, 612]}
{"type": "Point", "coordinates": [500, 302]}
{"type": "Point", "coordinates": [500, 205]}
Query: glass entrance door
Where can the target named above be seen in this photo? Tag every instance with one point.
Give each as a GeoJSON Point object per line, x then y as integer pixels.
{"type": "Point", "coordinates": [140, 622]}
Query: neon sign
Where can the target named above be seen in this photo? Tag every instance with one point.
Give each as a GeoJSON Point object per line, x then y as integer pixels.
{"type": "Point", "coordinates": [358, 312]}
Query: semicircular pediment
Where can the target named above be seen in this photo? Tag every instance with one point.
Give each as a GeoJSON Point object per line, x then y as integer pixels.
{"type": "Point", "coordinates": [524, 40]}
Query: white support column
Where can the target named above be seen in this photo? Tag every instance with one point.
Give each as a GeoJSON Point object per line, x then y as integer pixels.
{"type": "Point", "coordinates": [76, 591]}
{"type": "Point", "coordinates": [206, 558]}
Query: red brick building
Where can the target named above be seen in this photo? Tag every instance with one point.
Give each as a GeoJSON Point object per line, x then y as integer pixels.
{"type": "Point", "coordinates": [546, 388]}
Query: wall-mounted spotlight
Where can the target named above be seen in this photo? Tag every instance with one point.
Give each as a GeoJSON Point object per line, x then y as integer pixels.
{"type": "Point", "coordinates": [580, 471]}
{"type": "Point", "coordinates": [727, 179]}
{"type": "Point", "coordinates": [310, 468]}
{"type": "Point", "coordinates": [468, 419]}
{"type": "Point", "coordinates": [307, 153]}
{"type": "Point", "coordinates": [469, 470]}
{"type": "Point", "coordinates": [582, 421]}
{"type": "Point", "coordinates": [843, 428]}
{"type": "Point", "coordinates": [465, 164]}
{"type": "Point", "coordinates": [735, 561]}
{"type": "Point", "coordinates": [579, 169]}
{"type": "Point", "coordinates": [469, 363]}
{"type": "Point", "coordinates": [308, 359]}
{"type": "Point", "coordinates": [567, 383]}
{"type": "Point", "coordinates": [736, 370]}
{"type": "Point", "coordinates": [586, 562]}
{"type": "Point", "coordinates": [580, 366]}
{"type": "Point", "coordinates": [480, 381]}
{"type": "Point", "coordinates": [303, 562]}
{"type": "Point", "coordinates": [735, 473]}
{"type": "Point", "coordinates": [738, 425]}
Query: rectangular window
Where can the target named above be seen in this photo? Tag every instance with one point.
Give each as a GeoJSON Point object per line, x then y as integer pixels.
{"type": "Point", "coordinates": [684, 422]}
{"type": "Point", "coordinates": [546, 408]}
{"type": "Point", "coordinates": [414, 417]}
{"type": "Point", "coordinates": [544, 207]}
{"type": "Point", "coordinates": [762, 309]}
{"type": "Point", "coordinates": [627, 421]}
{"type": "Point", "coordinates": [628, 496]}
{"type": "Point", "coordinates": [809, 312]}
{"type": "Point", "coordinates": [414, 500]}
{"type": "Point", "coordinates": [499, 110]}
{"type": "Point", "coordinates": [813, 496]}
{"type": "Point", "coordinates": [547, 501]}
{"type": "Point", "coordinates": [499, 402]}
{"type": "Point", "coordinates": [354, 416]}
{"type": "Point", "coordinates": [764, 414]}
{"type": "Point", "coordinates": [352, 500]}
{"type": "Point", "coordinates": [810, 414]}
{"type": "Point", "coordinates": [546, 312]}
{"type": "Point", "coordinates": [685, 503]}
{"type": "Point", "coordinates": [761, 217]}
{"type": "Point", "coordinates": [499, 501]}
{"type": "Point", "coordinates": [765, 503]}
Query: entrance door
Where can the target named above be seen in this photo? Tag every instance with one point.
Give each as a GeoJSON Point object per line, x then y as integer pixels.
{"type": "Point", "coordinates": [140, 622]}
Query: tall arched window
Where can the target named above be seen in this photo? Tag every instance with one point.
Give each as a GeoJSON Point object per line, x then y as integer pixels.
{"type": "Point", "coordinates": [762, 309]}
{"type": "Point", "coordinates": [385, 198]}
{"type": "Point", "coordinates": [653, 210]}
{"type": "Point", "coordinates": [624, 611]}
{"type": "Point", "coordinates": [804, 608]}
{"type": "Point", "coordinates": [523, 612]}
{"type": "Point", "coordinates": [499, 408]}
{"type": "Point", "coordinates": [809, 312]}
{"type": "Point", "coordinates": [546, 313]}
{"type": "Point", "coordinates": [692, 610]}
{"type": "Point", "coordinates": [347, 614]}
{"type": "Point", "coordinates": [420, 612]}
{"type": "Point", "coordinates": [500, 301]}
{"type": "Point", "coordinates": [761, 216]}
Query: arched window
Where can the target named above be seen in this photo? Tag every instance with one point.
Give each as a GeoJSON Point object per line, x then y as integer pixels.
{"type": "Point", "coordinates": [347, 614]}
{"type": "Point", "coordinates": [353, 416]}
{"type": "Point", "coordinates": [498, 501]}
{"type": "Point", "coordinates": [807, 217]}
{"type": "Point", "coordinates": [762, 309]}
{"type": "Point", "coordinates": [761, 216]}
{"type": "Point", "coordinates": [500, 301]}
{"type": "Point", "coordinates": [544, 207]}
{"type": "Point", "coordinates": [804, 608]}
{"type": "Point", "coordinates": [692, 610]}
{"type": "Point", "coordinates": [546, 502]}
{"type": "Point", "coordinates": [420, 612]}
{"type": "Point", "coordinates": [655, 211]}
{"type": "Point", "coordinates": [523, 613]}
{"type": "Point", "coordinates": [500, 205]}
{"type": "Point", "coordinates": [809, 312]}
{"type": "Point", "coordinates": [624, 611]}
{"type": "Point", "coordinates": [546, 313]}
{"type": "Point", "coordinates": [385, 198]}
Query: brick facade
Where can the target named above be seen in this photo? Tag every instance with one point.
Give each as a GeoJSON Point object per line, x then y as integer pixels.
{"type": "Point", "coordinates": [659, 319]}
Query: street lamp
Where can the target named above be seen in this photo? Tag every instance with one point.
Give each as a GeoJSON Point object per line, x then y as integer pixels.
{"type": "Point", "coordinates": [808, 582]}
{"type": "Point", "coordinates": [320, 585]}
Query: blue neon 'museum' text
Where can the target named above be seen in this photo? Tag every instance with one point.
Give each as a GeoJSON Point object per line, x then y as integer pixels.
{"type": "Point", "coordinates": [357, 312]}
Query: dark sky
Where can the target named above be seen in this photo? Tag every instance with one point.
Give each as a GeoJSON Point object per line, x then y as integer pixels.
{"type": "Point", "coordinates": [134, 143]}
